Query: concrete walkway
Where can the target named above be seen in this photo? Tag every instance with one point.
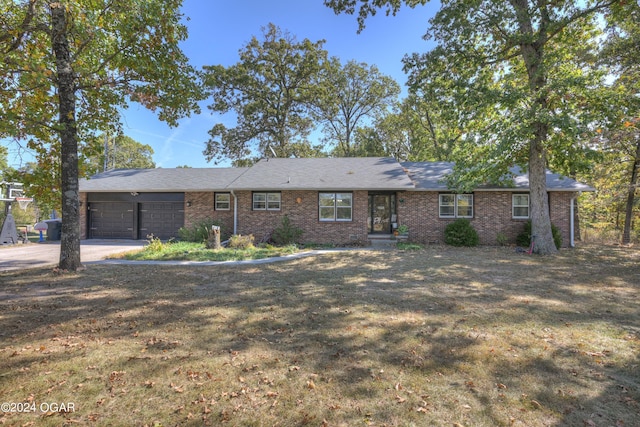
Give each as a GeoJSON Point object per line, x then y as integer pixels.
{"type": "Point", "coordinates": [35, 255]}
{"type": "Point", "coordinates": [47, 254]}
{"type": "Point", "coordinates": [247, 261]}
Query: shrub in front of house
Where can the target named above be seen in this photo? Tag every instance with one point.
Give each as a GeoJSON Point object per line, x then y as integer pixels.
{"type": "Point", "coordinates": [461, 233]}
{"type": "Point", "coordinates": [238, 241]}
{"type": "Point", "coordinates": [286, 233]}
{"type": "Point", "coordinates": [524, 238]}
{"type": "Point", "coordinates": [198, 232]}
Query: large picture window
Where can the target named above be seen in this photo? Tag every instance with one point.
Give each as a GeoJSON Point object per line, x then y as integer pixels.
{"type": "Point", "coordinates": [456, 205]}
{"type": "Point", "coordinates": [222, 201]}
{"type": "Point", "coordinates": [335, 206]}
{"type": "Point", "coordinates": [266, 201]}
{"type": "Point", "coordinates": [520, 206]}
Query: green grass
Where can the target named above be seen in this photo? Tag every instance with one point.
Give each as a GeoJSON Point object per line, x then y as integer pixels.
{"type": "Point", "coordinates": [408, 246]}
{"type": "Point", "coordinates": [188, 251]}
{"type": "Point", "coordinates": [434, 337]}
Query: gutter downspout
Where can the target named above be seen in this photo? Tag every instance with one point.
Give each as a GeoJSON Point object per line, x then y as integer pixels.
{"type": "Point", "coordinates": [572, 221]}
{"type": "Point", "coordinates": [235, 212]}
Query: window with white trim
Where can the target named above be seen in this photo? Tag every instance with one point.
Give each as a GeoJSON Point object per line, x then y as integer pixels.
{"type": "Point", "coordinates": [222, 201]}
{"type": "Point", "coordinates": [456, 205]}
{"type": "Point", "coordinates": [520, 206]}
{"type": "Point", "coordinates": [266, 201]}
{"type": "Point", "coordinates": [335, 206]}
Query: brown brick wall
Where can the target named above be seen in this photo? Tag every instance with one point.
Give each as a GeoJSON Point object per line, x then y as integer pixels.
{"type": "Point", "coordinates": [302, 209]}
{"type": "Point", "coordinates": [418, 210]}
{"type": "Point", "coordinates": [492, 215]}
{"type": "Point", "coordinates": [83, 215]}
{"type": "Point", "coordinates": [560, 212]}
{"type": "Point", "coordinates": [202, 208]}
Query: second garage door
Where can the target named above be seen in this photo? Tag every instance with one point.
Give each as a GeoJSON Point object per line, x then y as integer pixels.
{"type": "Point", "coordinates": [160, 219]}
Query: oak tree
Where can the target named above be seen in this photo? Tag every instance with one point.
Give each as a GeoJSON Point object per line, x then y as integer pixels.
{"type": "Point", "coordinates": [521, 71]}
{"type": "Point", "coordinates": [622, 52]}
{"type": "Point", "coordinates": [348, 97]}
{"type": "Point", "coordinates": [69, 67]}
{"type": "Point", "coordinates": [120, 152]}
{"type": "Point", "coordinates": [270, 92]}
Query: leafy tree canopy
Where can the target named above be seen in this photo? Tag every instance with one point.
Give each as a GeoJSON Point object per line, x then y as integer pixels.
{"type": "Point", "coordinates": [121, 152]}
{"type": "Point", "coordinates": [270, 91]}
{"type": "Point", "coordinates": [350, 96]}
{"type": "Point", "coordinates": [68, 67]}
{"type": "Point", "coordinates": [523, 79]}
{"type": "Point", "coordinates": [4, 163]}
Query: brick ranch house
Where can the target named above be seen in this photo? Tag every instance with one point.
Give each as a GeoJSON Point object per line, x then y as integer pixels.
{"type": "Point", "coordinates": [343, 201]}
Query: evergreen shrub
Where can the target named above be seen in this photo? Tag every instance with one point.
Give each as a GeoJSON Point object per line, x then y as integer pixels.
{"type": "Point", "coordinates": [461, 233]}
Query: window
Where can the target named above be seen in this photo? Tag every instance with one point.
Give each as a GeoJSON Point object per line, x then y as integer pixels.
{"type": "Point", "coordinates": [456, 205]}
{"type": "Point", "coordinates": [222, 201]}
{"type": "Point", "coordinates": [266, 201]}
{"type": "Point", "coordinates": [520, 206]}
{"type": "Point", "coordinates": [335, 206]}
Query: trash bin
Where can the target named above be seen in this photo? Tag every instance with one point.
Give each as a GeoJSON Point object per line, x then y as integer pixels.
{"type": "Point", "coordinates": [54, 230]}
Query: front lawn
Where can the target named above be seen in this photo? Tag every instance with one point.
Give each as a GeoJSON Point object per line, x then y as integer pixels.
{"type": "Point", "coordinates": [431, 337]}
{"type": "Point", "coordinates": [188, 251]}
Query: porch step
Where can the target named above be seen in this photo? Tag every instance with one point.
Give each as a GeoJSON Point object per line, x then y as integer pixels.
{"type": "Point", "coordinates": [382, 241]}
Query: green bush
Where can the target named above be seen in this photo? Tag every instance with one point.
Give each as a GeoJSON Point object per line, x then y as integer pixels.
{"type": "Point", "coordinates": [524, 238]}
{"type": "Point", "coordinates": [198, 232]}
{"type": "Point", "coordinates": [238, 241]}
{"type": "Point", "coordinates": [461, 233]}
{"type": "Point", "coordinates": [154, 244]}
{"type": "Point", "coordinates": [286, 233]}
{"type": "Point", "coordinates": [501, 239]}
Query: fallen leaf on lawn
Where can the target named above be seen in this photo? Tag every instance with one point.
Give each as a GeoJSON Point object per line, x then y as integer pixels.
{"type": "Point", "coordinates": [311, 385]}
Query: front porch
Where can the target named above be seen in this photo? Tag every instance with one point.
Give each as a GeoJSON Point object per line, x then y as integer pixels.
{"type": "Point", "coordinates": [382, 241]}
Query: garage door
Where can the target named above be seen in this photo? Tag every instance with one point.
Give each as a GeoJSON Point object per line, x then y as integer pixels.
{"type": "Point", "coordinates": [111, 220]}
{"type": "Point", "coordinates": [162, 219]}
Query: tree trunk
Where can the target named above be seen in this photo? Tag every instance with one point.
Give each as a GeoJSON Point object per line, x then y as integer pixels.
{"type": "Point", "coordinates": [213, 239]}
{"type": "Point", "coordinates": [70, 237]}
{"type": "Point", "coordinates": [532, 52]}
{"type": "Point", "coordinates": [626, 233]}
{"type": "Point", "coordinates": [540, 220]}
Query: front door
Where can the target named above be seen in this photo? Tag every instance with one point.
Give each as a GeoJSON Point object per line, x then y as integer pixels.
{"type": "Point", "coordinates": [381, 213]}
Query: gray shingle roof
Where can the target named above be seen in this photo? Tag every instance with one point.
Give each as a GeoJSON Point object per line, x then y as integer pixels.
{"type": "Point", "coordinates": [430, 176]}
{"type": "Point", "coordinates": [335, 174]}
{"type": "Point", "coordinates": [353, 173]}
{"type": "Point", "coordinates": [161, 180]}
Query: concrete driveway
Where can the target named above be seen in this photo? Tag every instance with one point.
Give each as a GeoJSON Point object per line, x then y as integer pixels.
{"type": "Point", "coordinates": [32, 255]}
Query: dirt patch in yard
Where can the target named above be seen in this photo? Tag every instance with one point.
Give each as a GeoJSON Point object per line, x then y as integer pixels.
{"type": "Point", "coordinates": [440, 336]}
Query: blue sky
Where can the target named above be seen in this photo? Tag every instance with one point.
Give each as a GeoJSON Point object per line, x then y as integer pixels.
{"type": "Point", "coordinates": [218, 29]}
